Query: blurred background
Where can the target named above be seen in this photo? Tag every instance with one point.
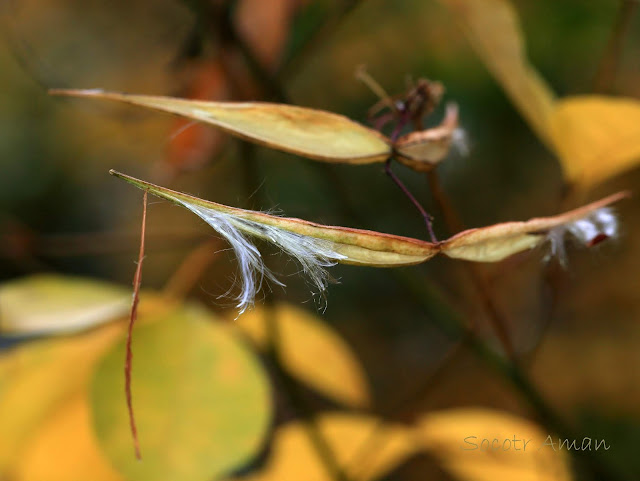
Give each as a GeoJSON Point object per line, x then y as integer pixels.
{"type": "Point", "coordinates": [60, 212]}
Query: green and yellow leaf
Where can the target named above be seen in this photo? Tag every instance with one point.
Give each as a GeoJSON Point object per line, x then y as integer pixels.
{"type": "Point", "coordinates": [46, 304]}
{"type": "Point", "coordinates": [201, 400]}
{"type": "Point", "coordinates": [39, 377]}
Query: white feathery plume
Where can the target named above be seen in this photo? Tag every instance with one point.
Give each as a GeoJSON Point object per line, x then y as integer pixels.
{"type": "Point", "coordinates": [460, 142]}
{"type": "Point", "coordinates": [598, 226]}
{"type": "Point", "coordinates": [314, 255]}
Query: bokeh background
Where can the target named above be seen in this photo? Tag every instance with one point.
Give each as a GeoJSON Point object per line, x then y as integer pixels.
{"type": "Point", "coordinates": [60, 212]}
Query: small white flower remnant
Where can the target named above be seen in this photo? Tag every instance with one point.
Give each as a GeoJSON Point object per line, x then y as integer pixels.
{"type": "Point", "coordinates": [591, 230]}
{"type": "Point", "coordinates": [314, 255]}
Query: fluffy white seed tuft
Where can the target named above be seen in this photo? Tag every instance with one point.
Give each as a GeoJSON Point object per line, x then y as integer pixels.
{"type": "Point", "coordinates": [314, 255]}
{"type": "Point", "coordinates": [460, 142]}
{"type": "Point", "coordinates": [598, 226]}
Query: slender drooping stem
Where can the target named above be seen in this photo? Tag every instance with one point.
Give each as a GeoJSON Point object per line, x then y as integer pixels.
{"type": "Point", "coordinates": [497, 319]}
{"type": "Point", "coordinates": [455, 329]}
{"type": "Point", "coordinates": [427, 217]}
{"type": "Point", "coordinates": [137, 281]}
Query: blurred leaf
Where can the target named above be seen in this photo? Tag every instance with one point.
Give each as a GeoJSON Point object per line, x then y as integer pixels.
{"type": "Point", "coordinates": [303, 340]}
{"type": "Point", "coordinates": [65, 449]}
{"type": "Point", "coordinates": [45, 304]}
{"type": "Point", "coordinates": [582, 366]}
{"type": "Point", "coordinates": [498, 241]}
{"type": "Point", "coordinates": [265, 26]}
{"type": "Point", "coordinates": [596, 137]}
{"type": "Point", "coordinates": [200, 397]}
{"type": "Point", "coordinates": [455, 437]}
{"type": "Point", "coordinates": [294, 458]}
{"type": "Point", "coordinates": [38, 377]}
{"type": "Point", "coordinates": [353, 246]}
{"type": "Point", "coordinates": [308, 132]}
{"type": "Point", "coordinates": [494, 32]}
{"type": "Point", "coordinates": [192, 144]}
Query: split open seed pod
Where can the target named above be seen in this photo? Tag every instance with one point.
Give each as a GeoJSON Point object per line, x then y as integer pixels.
{"type": "Point", "coordinates": [311, 133]}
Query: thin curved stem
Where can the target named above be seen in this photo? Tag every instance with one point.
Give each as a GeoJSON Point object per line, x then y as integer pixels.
{"type": "Point", "coordinates": [497, 319]}
{"type": "Point", "coordinates": [427, 217]}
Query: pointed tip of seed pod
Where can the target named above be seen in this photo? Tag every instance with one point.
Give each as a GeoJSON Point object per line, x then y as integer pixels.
{"type": "Point", "coordinates": [75, 92]}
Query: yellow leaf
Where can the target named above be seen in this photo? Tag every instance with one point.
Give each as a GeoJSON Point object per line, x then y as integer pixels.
{"type": "Point", "coordinates": [483, 445]}
{"type": "Point", "coordinates": [496, 242]}
{"type": "Point", "coordinates": [55, 304]}
{"type": "Point", "coordinates": [493, 29]}
{"type": "Point", "coordinates": [311, 351]}
{"type": "Point", "coordinates": [311, 133]}
{"type": "Point", "coordinates": [201, 400]}
{"type": "Point", "coordinates": [37, 377]}
{"type": "Point", "coordinates": [65, 449]}
{"type": "Point", "coordinates": [294, 457]}
{"type": "Point", "coordinates": [596, 137]}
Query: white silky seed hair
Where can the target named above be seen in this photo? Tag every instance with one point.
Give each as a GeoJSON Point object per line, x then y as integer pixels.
{"type": "Point", "coordinates": [585, 230]}
{"type": "Point", "coordinates": [314, 255]}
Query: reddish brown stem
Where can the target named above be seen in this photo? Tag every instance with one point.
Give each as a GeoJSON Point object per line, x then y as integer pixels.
{"type": "Point", "coordinates": [137, 280]}
{"type": "Point", "coordinates": [452, 221]}
{"type": "Point", "coordinates": [414, 201]}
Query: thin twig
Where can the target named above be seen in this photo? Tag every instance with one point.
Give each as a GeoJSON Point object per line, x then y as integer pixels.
{"type": "Point", "coordinates": [427, 218]}
{"type": "Point", "coordinates": [497, 319]}
{"type": "Point", "coordinates": [377, 89]}
{"type": "Point", "coordinates": [455, 329]}
{"type": "Point", "coordinates": [137, 281]}
{"type": "Point", "coordinates": [608, 66]}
